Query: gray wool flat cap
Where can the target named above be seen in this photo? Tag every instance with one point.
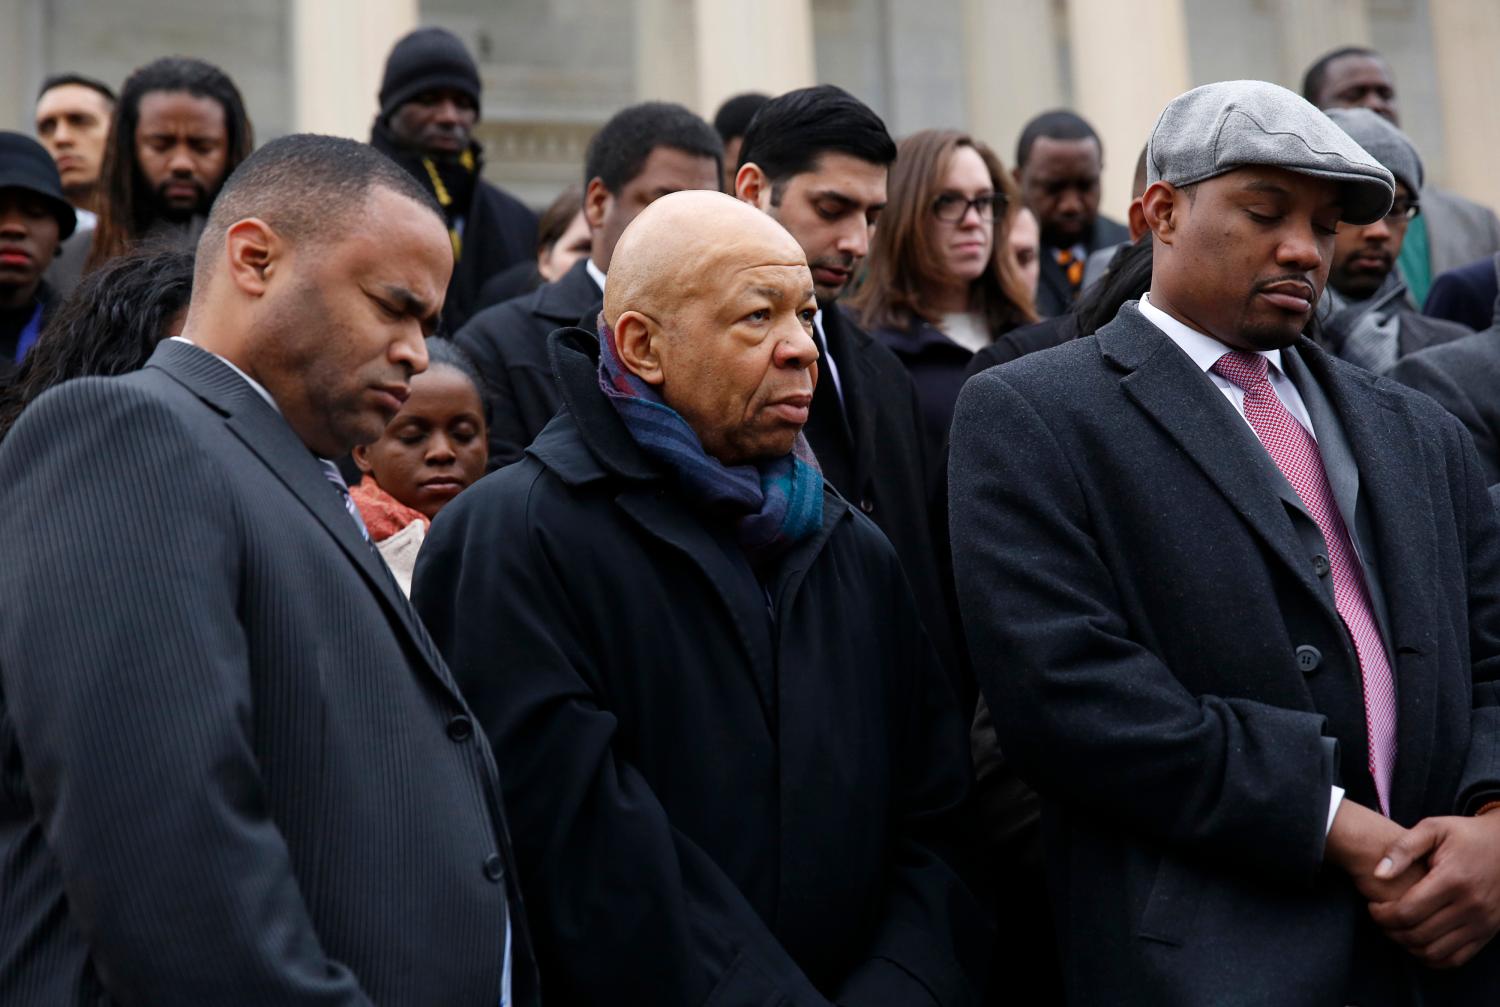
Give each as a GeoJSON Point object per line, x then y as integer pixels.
{"type": "Point", "coordinates": [1217, 128]}
{"type": "Point", "coordinates": [1382, 141]}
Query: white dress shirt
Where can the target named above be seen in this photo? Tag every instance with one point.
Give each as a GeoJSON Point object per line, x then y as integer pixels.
{"type": "Point", "coordinates": [1205, 351]}
{"type": "Point", "coordinates": [595, 273]}
{"type": "Point", "coordinates": [825, 358]}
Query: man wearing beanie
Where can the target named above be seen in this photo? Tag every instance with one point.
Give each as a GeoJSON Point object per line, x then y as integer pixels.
{"type": "Point", "coordinates": [35, 218]}
{"type": "Point", "coordinates": [429, 103]}
{"type": "Point", "coordinates": [1366, 313]}
{"type": "Point", "coordinates": [1243, 602]}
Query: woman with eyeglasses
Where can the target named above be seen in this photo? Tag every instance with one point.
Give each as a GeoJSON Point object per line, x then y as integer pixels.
{"type": "Point", "coordinates": [942, 281]}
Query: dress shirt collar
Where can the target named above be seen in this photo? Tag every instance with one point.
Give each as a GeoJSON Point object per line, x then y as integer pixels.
{"type": "Point", "coordinates": [595, 273]}
{"type": "Point", "coordinates": [1205, 350]}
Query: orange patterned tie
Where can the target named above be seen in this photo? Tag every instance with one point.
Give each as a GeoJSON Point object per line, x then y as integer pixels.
{"type": "Point", "coordinates": [1072, 267]}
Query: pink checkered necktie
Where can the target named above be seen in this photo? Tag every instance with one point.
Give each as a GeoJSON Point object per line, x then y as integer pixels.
{"type": "Point", "coordinates": [1296, 453]}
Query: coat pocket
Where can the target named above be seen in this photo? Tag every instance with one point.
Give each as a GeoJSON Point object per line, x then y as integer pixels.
{"type": "Point", "coordinates": [1172, 907]}
{"type": "Point", "coordinates": [743, 984]}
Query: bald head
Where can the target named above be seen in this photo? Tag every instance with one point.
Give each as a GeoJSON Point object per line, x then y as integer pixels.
{"type": "Point", "coordinates": [684, 246]}
{"type": "Point", "coordinates": [711, 301]}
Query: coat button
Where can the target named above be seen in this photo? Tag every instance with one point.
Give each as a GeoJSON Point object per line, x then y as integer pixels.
{"type": "Point", "coordinates": [867, 505]}
{"type": "Point", "coordinates": [1308, 659]}
{"type": "Point", "coordinates": [1320, 565]}
{"type": "Point", "coordinates": [460, 728]}
{"type": "Point", "coordinates": [494, 867]}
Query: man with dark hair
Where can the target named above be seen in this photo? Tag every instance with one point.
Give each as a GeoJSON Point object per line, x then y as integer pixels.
{"type": "Point", "coordinates": [239, 772]}
{"type": "Point", "coordinates": [736, 770]}
{"type": "Point", "coordinates": [34, 219]}
{"type": "Point", "coordinates": [1058, 163]}
{"type": "Point", "coordinates": [816, 160]}
{"type": "Point", "coordinates": [642, 153]}
{"type": "Point", "coordinates": [73, 113]}
{"type": "Point", "coordinates": [1450, 231]}
{"type": "Point", "coordinates": [429, 105]}
{"type": "Point", "coordinates": [1365, 314]}
{"type": "Point", "coordinates": [179, 131]}
{"type": "Point", "coordinates": [1239, 606]}
{"type": "Point", "coordinates": [730, 122]}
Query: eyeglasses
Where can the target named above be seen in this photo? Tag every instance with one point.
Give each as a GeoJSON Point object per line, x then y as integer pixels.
{"type": "Point", "coordinates": [951, 207]}
{"type": "Point", "coordinates": [1403, 209]}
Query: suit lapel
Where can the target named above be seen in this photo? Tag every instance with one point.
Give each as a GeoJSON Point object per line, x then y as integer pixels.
{"type": "Point", "coordinates": [572, 297]}
{"type": "Point", "coordinates": [1164, 382]}
{"type": "Point", "coordinates": [266, 434]}
{"type": "Point", "coordinates": [1387, 447]}
{"type": "Point", "coordinates": [858, 412]}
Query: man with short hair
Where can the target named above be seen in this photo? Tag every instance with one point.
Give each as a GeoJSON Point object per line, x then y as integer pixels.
{"type": "Point", "coordinates": [1451, 231]}
{"type": "Point", "coordinates": [237, 770]}
{"type": "Point", "coordinates": [1059, 159]}
{"type": "Point", "coordinates": [73, 113]}
{"type": "Point", "coordinates": [429, 106]}
{"type": "Point", "coordinates": [1239, 603]}
{"type": "Point", "coordinates": [730, 122]}
{"type": "Point", "coordinates": [643, 152]}
{"type": "Point", "coordinates": [35, 219]}
{"type": "Point", "coordinates": [816, 161]}
{"type": "Point", "coordinates": [1365, 315]}
{"type": "Point", "coordinates": [735, 769]}
{"type": "Point", "coordinates": [179, 131]}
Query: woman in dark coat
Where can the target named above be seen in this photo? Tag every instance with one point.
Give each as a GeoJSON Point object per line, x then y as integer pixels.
{"type": "Point", "coordinates": [942, 281]}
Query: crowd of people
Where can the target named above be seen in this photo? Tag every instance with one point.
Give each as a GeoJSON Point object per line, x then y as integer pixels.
{"type": "Point", "coordinates": [798, 566]}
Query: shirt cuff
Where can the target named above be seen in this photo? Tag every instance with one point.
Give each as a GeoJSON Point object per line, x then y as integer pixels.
{"type": "Point", "coordinates": [1333, 808]}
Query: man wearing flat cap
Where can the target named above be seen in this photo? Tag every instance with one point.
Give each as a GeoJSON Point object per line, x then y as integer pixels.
{"type": "Point", "coordinates": [1243, 602]}
{"type": "Point", "coordinates": [429, 106]}
{"type": "Point", "coordinates": [1366, 312]}
{"type": "Point", "coordinates": [35, 218]}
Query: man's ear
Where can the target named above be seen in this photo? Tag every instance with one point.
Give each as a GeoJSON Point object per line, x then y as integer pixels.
{"type": "Point", "coordinates": [596, 203]}
{"type": "Point", "coordinates": [254, 253]}
{"type": "Point", "coordinates": [1162, 206]}
{"type": "Point", "coordinates": [752, 186]}
{"type": "Point", "coordinates": [361, 456]}
{"type": "Point", "coordinates": [638, 344]}
{"type": "Point", "coordinates": [1135, 219]}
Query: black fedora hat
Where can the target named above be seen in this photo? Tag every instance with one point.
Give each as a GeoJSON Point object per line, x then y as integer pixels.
{"type": "Point", "coordinates": [25, 164]}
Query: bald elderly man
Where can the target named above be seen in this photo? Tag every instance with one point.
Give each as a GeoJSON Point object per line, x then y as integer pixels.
{"type": "Point", "coordinates": [734, 768]}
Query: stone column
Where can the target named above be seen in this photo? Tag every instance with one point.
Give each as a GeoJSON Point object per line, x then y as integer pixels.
{"type": "Point", "coordinates": [1308, 30]}
{"type": "Point", "coordinates": [1465, 39]}
{"type": "Point", "coordinates": [1011, 68]}
{"type": "Point", "coordinates": [666, 57]}
{"type": "Point", "coordinates": [1129, 60]}
{"type": "Point", "coordinates": [751, 47]}
{"type": "Point", "coordinates": [339, 49]}
{"type": "Point", "coordinates": [22, 44]}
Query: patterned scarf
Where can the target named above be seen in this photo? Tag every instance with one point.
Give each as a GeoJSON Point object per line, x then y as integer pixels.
{"type": "Point", "coordinates": [773, 504]}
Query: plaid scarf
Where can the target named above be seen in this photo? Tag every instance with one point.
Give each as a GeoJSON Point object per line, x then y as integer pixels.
{"type": "Point", "coordinates": [773, 504]}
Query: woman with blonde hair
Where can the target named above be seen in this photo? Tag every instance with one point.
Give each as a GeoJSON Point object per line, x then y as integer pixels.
{"type": "Point", "coordinates": [942, 281]}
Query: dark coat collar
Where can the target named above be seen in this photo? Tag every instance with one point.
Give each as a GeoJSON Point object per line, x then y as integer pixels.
{"type": "Point", "coordinates": [570, 298]}
{"type": "Point", "coordinates": [268, 436]}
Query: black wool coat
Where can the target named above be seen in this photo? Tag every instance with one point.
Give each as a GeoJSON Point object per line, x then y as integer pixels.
{"type": "Point", "coordinates": [1463, 376]}
{"type": "Point", "coordinates": [721, 793]}
{"type": "Point", "coordinates": [509, 344]}
{"type": "Point", "coordinates": [235, 769]}
{"type": "Point", "coordinates": [1145, 610]}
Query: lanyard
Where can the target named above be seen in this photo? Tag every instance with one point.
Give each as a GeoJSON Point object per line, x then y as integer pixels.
{"type": "Point", "coordinates": [29, 334]}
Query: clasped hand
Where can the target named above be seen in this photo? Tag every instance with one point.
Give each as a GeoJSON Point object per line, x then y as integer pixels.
{"type": "Point", "coordinates": [1433, 889]}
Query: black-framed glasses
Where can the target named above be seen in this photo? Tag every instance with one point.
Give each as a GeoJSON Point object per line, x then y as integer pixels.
{"type": "Point", "coordinates": [950, 207]}
{"type": "Point", "coordinates": [1403, 209]}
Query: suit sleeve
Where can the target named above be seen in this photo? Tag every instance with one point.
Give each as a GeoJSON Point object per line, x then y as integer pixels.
{"type": "Point", "coordinates": [933, 941]}
{"type": "Point", "coordinates": [1437, 384]}
{"type": "Point", "coordinates": [596, 852]}
{"type": "Point", "coordinates": [480, 337]}
{"type": "Point", "coordinates": [127, 680]}
{"type": "Point", "coordinates": [1089, 714]}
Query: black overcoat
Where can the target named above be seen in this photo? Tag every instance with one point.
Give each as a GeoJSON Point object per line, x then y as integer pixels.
{"type": "Point", "coordinates": [719, 793]}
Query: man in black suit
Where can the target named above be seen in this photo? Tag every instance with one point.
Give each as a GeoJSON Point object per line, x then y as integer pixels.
{"type": "Point", "coordinates": [643, 152]}
{"type": "Point", "coordinates": [1240, 606]}
{"type": "Point", "coordinates": [236, 769]}
{"type": "Point", "coordinates": [1366, 312]}
{"type": "Point", "coordinates": [429, 106]}
{"type": "Point", "coordinates": [1058, 163]}
{"type": "Point", "coordinates": [737, 773]}
{"type": "Point", "coordinates": [816, 160]}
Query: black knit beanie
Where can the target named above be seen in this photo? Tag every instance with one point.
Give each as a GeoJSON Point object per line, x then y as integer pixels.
{"type": "Point", "coordinates": [427, 59]}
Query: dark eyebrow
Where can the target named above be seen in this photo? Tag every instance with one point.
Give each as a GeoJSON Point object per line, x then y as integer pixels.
{"type": "Point", "coordinates": [770, 292]}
